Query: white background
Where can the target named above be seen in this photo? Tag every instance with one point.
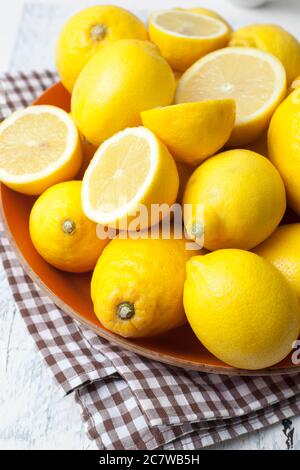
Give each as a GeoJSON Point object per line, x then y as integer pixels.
{"type": "Point", "coordinates": [33, 412]}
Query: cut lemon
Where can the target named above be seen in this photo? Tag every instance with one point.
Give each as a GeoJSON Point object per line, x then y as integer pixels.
{"type": "Point", "coordinates": [183, 37]}
{"type": "Point", "coordinates": [39, 146]}
{"type": "Point", "coordinates": [256, 80]}
{"type": "Point", "coordinates": [192, 131]}
{"type": "Point", "coordinates": [129, 171]}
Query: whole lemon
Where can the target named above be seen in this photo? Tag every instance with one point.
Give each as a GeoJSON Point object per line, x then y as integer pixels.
{"type": "Point", "coordinates": [125, 78]}
{"type": "Point", "coordinates": [241, 308]}
{"type": "Point", "coordinates": [137, 286]}
{"type": "Point", "coordinates": [275, 40]}
{"type": "Point", "coordinates": [60, 231]}
{"type": "Point", "coordinates": [88, 32]}
{"type": "Point", "coordinates": [236, 199]}
{"type": "Point", "coordinates": [284, 146]}
{"type": "Point", "coordinates": [282, 249]}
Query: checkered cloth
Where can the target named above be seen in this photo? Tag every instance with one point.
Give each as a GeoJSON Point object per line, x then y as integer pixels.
{"type": "Point", "coordinates": [129, 402]}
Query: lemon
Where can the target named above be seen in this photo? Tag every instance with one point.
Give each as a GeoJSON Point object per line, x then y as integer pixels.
{"type": "Point", "coordinates": [111, 92]}
{"type": "Point", "coordinates": [192, 131]}
{"type": "Point", "coordinates": [256, 80]}
{"type": "Point", "coordinates": [88, 32]}
{"type": "Point", "coordinates": [183, 37]}
{"type": "Point", "coordinates": [39, 146]}
{"type": "Point", "coordinates": [282, 250]}
{"type": "Point", "coordinates": [60, 231]}
{"type": "Point", "coordinates": [137, 286]}
{"type": "Point", "coordinates": [243, 200]}
{"type": "Point", "coordinates": [129, 170]}
{"type": "Point", "coordinates": [284, 146]}
{"type": "Point", "coordinates": [241, 308]}
{"type": "Point", "coordinates": [275, 40]}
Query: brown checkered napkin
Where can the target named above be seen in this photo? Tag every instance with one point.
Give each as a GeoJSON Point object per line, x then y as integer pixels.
{"type": "Point", "coordinates": [129, 402]}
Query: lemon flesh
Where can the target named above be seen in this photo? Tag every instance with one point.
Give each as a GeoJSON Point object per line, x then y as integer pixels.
{"type": "Point", "coordinates": [273, 39]}
{"type": "Point", "coordinates": [129, 169]}
{"type": "Point", "coordinates": [254, 79]}
{"type": "Point", "coordinates": [39, 146]}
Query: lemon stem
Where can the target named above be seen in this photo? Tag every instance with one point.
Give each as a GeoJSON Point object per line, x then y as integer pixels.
{"type": "Point", "coordinates": [125, 311]}
{"type": "Point", "coordinates": [98, 32]}
{"type": "Point", "coordinates": [68, 226]}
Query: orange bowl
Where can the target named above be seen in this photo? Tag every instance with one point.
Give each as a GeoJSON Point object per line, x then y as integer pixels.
{"type": "Point", "coordinates": [71, 292]}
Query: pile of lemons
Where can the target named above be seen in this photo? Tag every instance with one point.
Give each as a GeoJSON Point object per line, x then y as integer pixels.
{"type": "Point", "coordinates": [187, 111]}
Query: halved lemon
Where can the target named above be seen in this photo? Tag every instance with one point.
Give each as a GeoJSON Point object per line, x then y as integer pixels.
{"type": "Point", "coordinates": [129, 173]}
{"type": "Point", "coordinates": [192, 131]}
{"type": "Point", "coordinates": [39, 146]}
{"type": "Point", "coordinates": [256, 80]}
{"type": "Point", "coordinates": [183, 37]}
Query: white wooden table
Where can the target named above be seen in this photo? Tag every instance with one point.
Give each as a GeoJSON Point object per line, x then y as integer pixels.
{"type": "Point", "coordinates": [33, 412]}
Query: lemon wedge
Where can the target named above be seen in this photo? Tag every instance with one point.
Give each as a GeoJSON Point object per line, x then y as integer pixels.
{"type": "Point", "coordinates": [256, 80]}
{"type": "Point", "coordinates": [39, 146]}
{"type": "Point", "coordinates": [192, 131]}
{"type": "Point", "coordinates": [183, 37]}
{"type": "Point", "coordinates": [129, 170]}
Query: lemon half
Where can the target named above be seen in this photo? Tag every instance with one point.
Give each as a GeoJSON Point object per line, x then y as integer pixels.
{"type": "Point", "coordinates": [183, 37]}
{"type": "Point", "coordinates": [39, 146]}
{"type": "Point", "coordinates": [130, 169]}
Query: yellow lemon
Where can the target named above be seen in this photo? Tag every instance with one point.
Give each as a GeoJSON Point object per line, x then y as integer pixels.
{"type": "Point", "coordinates": [241, 308]}
{"type": "Point", "coordinates": [275, 40]}
{"type": "Point", "coordinates": [60, 231]}
{"type": "Point", "coordinates": [192, 131]}
{"type": "Point", "coordinates": [39, 146]}
{"type": "Point", "coordinates": [242, 198]}
{"type": "Point", "coordinates": [284, 146]}
{"type": "Point", "coordinates": [88, 32]}
{"type": "Point", "coordinates": [132, 169]}
{"type": "Point", "coordinates": [111, 92]}
{"type": "Point", "coordinates": [208, 12]}
{"type": "Point", "coordinates": [183, 37]}
{"type": "Point", "coordinates": [282, 250]}
{"type": "Point", "coordinates": [256, 80]}
{"type": "Point", "coordinates": [137, 286]}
